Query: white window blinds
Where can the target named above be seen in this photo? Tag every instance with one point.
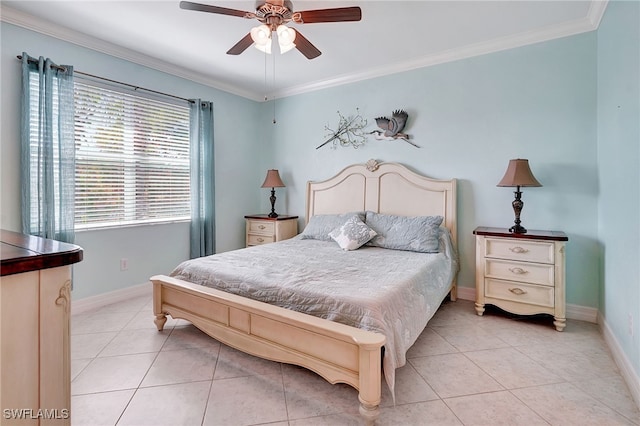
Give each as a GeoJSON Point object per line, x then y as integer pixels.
{"type": "Point", "coordinates": [132, 158]}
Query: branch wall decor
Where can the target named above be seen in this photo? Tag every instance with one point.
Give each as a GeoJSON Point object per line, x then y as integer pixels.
{"type": "Point", "coordinates": [350, 131]}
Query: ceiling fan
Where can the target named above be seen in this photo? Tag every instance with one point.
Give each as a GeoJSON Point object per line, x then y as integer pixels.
{"type": "Point", "coordinates": [273, 15]}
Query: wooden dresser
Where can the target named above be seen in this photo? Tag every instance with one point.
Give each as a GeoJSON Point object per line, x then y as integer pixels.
{"type": "Point", "coordinates": [35, 308]}
{"type": "Point", "coordinates": [521, 273]}
{"type": "Point", "coordinates": [262, 229]}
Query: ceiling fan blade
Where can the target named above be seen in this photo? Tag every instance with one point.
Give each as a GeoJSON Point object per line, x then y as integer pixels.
{"type": "Point", "coordinates": [241, 46]}
{"type": "Point", "coordinates": [305, 47]}
{"type": "Point", "coordinates": [340, 14]}
{"type": "Point", "coordinates": [215, 9]}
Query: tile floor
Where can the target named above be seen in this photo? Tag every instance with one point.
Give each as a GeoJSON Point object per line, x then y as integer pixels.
{"type": "Point", "coordinates": [463, 370]}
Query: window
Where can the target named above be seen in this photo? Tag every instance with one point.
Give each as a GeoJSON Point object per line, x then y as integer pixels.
{"type": "Point", "coordinates": [132, 158]}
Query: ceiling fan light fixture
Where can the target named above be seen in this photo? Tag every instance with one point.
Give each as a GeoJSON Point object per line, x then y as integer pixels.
{"type": "Point", "coordinates": [266, 48]}
{"type": "Point", "coordinates": [286, 38]}
{"type": "Point", "coordinates": [261, 36]}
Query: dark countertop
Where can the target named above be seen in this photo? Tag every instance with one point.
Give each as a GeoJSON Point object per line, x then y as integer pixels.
{"type": "Point", "coordinates": [24, 253]}
{"type": "Point", "coordinates": [529, 235]}
{"type": "Point", "coordinates": [266, 217]}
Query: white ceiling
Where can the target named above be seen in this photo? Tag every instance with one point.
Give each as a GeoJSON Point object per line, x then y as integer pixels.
{"type": "Point", "coordinates": [392, 36]}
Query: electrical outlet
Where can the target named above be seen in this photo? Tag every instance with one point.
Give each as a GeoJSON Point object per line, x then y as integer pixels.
{"type": "Point", "coordinates": [124, 264]}
{"type": "Point", "coordinates": [630, 321]}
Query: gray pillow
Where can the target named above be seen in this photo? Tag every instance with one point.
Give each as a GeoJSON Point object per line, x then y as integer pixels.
{"type": "Point", "coordinates": [353, 234]}
{"type": "Point", "coordinates": [418, 233]}
{"type": "Point", "coordinates": [321, 225]}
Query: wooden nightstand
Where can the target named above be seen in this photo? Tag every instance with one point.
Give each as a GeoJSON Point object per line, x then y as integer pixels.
{"type": "Point", "coordinates": [262, 229]}
{"type": "Point", "coordinates": [521, 273]}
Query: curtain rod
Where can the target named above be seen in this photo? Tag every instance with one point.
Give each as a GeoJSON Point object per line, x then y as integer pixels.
{"type": "Point", "coordinates": [33, 61]}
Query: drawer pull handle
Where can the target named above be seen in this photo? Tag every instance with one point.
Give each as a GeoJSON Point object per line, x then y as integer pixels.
{"type": "Point", "coordinates": [518, 271]}
{"type": "Point", "coordinates": [517, 291]}
{"type": "Point", "coordinates": [260, 240]}
{"type": "Point", "coordinates": [261, 227]}
{"type": "Point", "coordinates": [518, 249]}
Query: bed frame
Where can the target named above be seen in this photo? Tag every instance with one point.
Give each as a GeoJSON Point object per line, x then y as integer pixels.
{"type": "Point", "coordinates": [337, 352]}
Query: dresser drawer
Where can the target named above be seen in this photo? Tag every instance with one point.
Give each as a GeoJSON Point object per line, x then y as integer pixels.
{"type": "Point", "coordinates": [255, 240]}
{"type": "Point", "coordinates": [530, 251]}
{"type": "Point", "coordinates": [263, 227]}
{"type": "Point", "coordinates": [519, 292]}
{"type": "Point", "coordinates": [534, 273]}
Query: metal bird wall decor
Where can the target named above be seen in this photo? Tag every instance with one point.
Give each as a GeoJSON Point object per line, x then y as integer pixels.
{"type": "Point", "coordinates": [392, 127]}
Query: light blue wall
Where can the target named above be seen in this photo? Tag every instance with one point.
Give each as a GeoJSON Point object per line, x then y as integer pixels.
{"type": "Point", "coordinates": [470, 117]}
{"type": "Point", "coordinates": [149, 249]}
{"type": "Point", "coordinates": [619, 162]}
{"type": "Point", "coordinates": [570, 106]}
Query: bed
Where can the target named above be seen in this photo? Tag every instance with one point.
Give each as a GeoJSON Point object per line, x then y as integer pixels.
{"type": "Point", "coordinates": [342, 338]}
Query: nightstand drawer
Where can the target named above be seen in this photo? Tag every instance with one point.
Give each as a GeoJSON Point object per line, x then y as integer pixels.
{"type": "Point", "coordinates": [519, 292]}
{"type": "Point", "coordinates": [255, 240]}
{"type": "Point", "coordinates": [529, 251]}
{"type": "Point", "coordinates": [264, 227]}
{"type": "Point", "coordinates": [534, 273]}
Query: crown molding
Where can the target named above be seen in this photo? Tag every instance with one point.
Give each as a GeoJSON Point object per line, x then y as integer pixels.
{"type": "Point", "coordinates": [596, 12]}
{"type": "Point", "coordinates": [586, 24]}
{"type": "Point", "coordinates": [578, 26]}
{"type": "Point", "coordinates": [21, 19]}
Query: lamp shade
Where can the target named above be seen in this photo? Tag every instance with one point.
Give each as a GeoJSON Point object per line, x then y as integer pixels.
{"type": "Point", "coordinates": [272, 180]}
{"type": "Point", "coordinates": [286, 38]}
{"type": "Point", "coordinates": [261, 36]}
{"type": "Point", "coordinates": [518, 174]}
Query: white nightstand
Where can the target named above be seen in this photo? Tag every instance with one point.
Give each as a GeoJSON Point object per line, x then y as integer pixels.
{"type": "Point", "coordinates": [521, 273]}
{"type": "Point", "coordinates": [262, 229]}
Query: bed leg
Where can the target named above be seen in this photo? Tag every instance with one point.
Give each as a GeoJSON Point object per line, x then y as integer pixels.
{"type": "Point", "coordinates": [160, 320]}
{"type": "Point", "coordinates": [370, 413]}
{"type": "Point", "coordinates": [370, 381]}
{"type": "Point", "coordinates": [453, 295]}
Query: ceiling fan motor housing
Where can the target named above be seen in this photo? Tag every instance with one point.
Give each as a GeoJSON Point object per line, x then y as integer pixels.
{"type": "Point", "coordinates": [273, 14]}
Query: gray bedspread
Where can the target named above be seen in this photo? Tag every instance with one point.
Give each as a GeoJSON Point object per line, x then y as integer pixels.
{"type": "Point", "coordinates": [392, 292]}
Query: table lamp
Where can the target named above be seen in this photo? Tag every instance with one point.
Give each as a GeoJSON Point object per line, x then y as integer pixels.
{"type": "Point", "coordinates": [272, 181]}
{"type": "Point", "coordinates": [518, 174]}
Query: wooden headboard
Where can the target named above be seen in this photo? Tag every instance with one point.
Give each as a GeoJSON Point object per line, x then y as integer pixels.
{"type": "Point", "coordinates": [388, 188]}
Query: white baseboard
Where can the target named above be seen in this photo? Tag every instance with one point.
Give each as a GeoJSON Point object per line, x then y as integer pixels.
{"type": "Point", "coordinates": [467, 293]}
{"type": "Point", "coordinates": [582, 313]}
{"type": "Point", "coordinates": [94, 302]}
{"type": "Point", "coordinates": [575, 312]}
{"type": "Point", "coordinates": [626, 369]}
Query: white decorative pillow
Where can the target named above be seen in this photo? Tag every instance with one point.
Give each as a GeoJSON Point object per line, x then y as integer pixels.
{"type": "Point", "coordinates": [353, 234]}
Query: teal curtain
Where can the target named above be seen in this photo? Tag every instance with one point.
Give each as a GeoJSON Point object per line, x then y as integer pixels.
{"type": "Point", "coordinates": [202, 232]}
{"type": "Point", "coordinates": [47, 149]}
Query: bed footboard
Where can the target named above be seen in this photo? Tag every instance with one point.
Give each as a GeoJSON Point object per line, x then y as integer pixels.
{"type": "Point", "coordinates": [337, 352]}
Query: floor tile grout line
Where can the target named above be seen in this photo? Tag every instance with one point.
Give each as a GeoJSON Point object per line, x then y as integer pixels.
{"type": "Point", "coordinates": [138, 386]}
{"type": "Point", "coordinates": [531, 408]}
{"type": "Point", "coordinates": [206, 405]}
{"type": "Point", "coordinates": [572, 382]}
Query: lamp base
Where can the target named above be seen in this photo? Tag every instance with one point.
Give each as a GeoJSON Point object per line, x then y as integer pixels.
{"type": "Point", "coordinates": [517, 208]}
{"type": "Point", "coordinates": [273, 203]}
{"type": "Point", "coordinates": [517, 229]}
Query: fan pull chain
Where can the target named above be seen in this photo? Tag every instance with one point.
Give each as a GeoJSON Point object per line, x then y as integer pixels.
{"type": "Point", "coordinates": [265, 76]}
{"type": "Point", "coordinates": [273, 88]}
